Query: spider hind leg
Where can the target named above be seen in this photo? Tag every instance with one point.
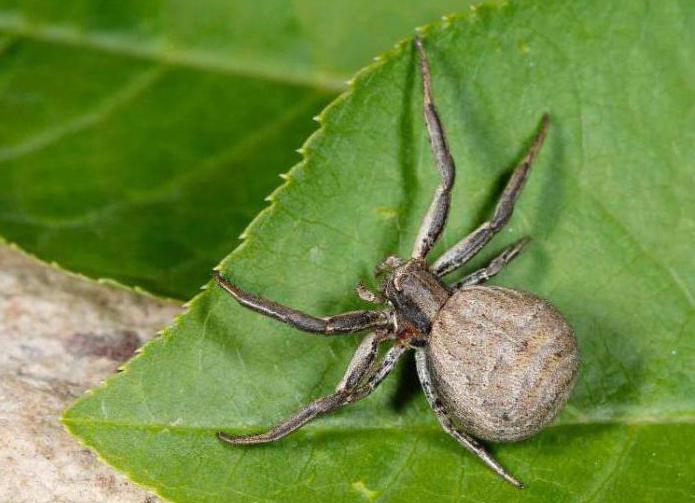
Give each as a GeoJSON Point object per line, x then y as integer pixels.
{"type": "Point", "coordinates": [471, 444]}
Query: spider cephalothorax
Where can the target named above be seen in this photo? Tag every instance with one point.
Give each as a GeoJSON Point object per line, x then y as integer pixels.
{"type": "Point", "coordinates": [494, 363]}
{"type": "Point", "coordinates": [416, 295]}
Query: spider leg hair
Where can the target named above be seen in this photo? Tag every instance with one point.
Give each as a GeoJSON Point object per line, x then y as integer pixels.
{"type": "Point", "coordinates": [448, 425]}
{"type": "Point", "coordinates": [344, 323]}
{"type": "Point", "coordinates": [469, 246]}
{"type": "Point", "coordinates": [363, 375]}
{"type": "Point", "coordinates": [496, 265]}
{"type": "Point", "coordinates": [435, 219]}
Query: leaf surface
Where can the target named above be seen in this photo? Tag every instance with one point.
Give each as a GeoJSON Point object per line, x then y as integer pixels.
{"type": "Point", "coordinates": [608, 205]}
{"type": "Point", "coordinates": [140, 137]}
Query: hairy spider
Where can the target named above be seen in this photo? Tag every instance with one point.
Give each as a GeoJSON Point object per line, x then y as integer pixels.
{"type": "Point", "coordinates": [495, 363]}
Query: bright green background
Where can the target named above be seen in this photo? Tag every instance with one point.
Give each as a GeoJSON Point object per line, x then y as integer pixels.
{"type": "Point", "coordinates": [609, 205]}
{"type": "Point", "coordinates": [140, 137]}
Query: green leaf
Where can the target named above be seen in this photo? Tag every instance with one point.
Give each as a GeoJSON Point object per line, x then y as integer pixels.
{"type": "Point", "coordinates": [140, 138]}
{"type": "Point", "coordinates": [609, 207]}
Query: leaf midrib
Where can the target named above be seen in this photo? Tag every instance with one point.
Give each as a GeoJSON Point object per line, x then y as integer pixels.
{"type": "Point", "coordinates": [16, 25]}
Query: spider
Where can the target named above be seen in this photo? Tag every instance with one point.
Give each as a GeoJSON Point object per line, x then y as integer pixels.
{"type": "Point", "coordinates": [495, 364]}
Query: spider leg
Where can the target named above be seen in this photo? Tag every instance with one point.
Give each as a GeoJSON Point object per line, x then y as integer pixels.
{"type": "Point", "coordinates": [447, 424]}
{"type": "Point", "coordinates": [360, 379]}
{"type": "Point", "coordinates": [495, 266]}
{"type": "Point", "coordinates": [465, 249]}
{"type": "Point", "coordinates": [433, 223]}
{"type": "Point", "coordinates": [342, 323]}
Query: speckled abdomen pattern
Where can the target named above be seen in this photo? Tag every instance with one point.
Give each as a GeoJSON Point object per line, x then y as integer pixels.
{"type": "Point", "coordinates": [503, 361]}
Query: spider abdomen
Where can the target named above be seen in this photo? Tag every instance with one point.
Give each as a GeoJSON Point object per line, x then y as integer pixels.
{"type": "Point", "coordinates": [503, 361]}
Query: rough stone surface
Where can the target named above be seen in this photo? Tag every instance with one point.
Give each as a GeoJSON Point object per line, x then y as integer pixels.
{"type": "Point", "coordinates": [60, 335]}
{"type": "Point", "coordinates": [503, 361]}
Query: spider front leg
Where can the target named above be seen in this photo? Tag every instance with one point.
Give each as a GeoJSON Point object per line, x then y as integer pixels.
{"type": "Point", "coordinates": [435, 219]}
{"type": "Point", "coordinates": [339, 324]}
{"type": "Point", "coordinates": [465, 249]}
{"type": "Point", "coordinates": [360, 379]}
{"type": "Point", "coordinates": [447, 424]}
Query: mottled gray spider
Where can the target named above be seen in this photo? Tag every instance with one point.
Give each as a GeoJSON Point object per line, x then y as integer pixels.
{"type": "Point", "coordinates": [494, 363]}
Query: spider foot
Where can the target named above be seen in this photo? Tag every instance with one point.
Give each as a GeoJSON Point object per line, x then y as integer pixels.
{"type": "Point", "coordinates": [242, 439]}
